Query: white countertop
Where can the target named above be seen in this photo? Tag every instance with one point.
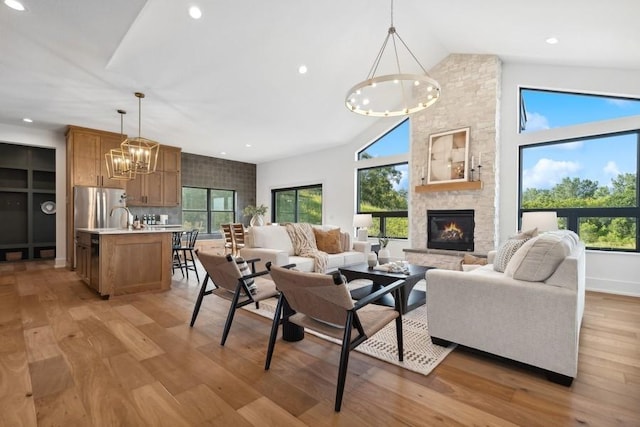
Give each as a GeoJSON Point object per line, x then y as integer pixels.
{"type": "Point", "coordinates": [155, 229]}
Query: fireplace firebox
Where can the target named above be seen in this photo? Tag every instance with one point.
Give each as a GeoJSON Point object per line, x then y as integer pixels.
{"type": "Point", "coordinates": [450, 229]}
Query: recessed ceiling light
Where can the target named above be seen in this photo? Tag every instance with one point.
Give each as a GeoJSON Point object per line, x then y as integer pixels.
{"type": "Point", "coordinates": [552, 40]}
{"type": "Point", "coordinates": [195, 12]}
{"type": "Point", "coordinates": [223, 153]}
{"type": "Point", "coordinates": [247, 145]}
{"type": "Point", "coordinates": [27, 120]}
{"type": "Point", "coordinates": [302, 69]}
{"type": "Point", "coordinates": [15, 5]}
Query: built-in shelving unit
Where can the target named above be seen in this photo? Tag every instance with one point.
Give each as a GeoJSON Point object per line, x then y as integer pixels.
{"type": "Point", "coordinates": [27, 182]}
{"type": "Point", "coordinates": [449, 186]}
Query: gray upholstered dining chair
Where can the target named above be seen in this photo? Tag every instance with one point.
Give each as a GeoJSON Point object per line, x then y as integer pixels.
{"type": "Point", "coordinates": [322, 303]}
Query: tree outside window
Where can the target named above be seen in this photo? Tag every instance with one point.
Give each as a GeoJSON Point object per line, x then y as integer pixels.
{"type": "Point", "coordinates": [591, 184]}
{"type": "Point", "coordinates": [383, 187]}
{"type": "Point", "coordinates": [297, 204]}
{"type": "Point", "coordinates": [205, 209]}
{"type": "Point", "coordinates": [383, 192]}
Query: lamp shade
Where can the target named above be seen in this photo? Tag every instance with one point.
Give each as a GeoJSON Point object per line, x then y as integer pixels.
{"type": "Point", "coordinates": [543, 221]}
{"type": "Point", "coordinates": [362, 220]}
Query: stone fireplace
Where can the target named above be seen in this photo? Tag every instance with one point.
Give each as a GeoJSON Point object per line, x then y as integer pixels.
{"type": "Point", "coordinates": [471, 98]}
{"type": "Point", "coordinates": [450, 229]}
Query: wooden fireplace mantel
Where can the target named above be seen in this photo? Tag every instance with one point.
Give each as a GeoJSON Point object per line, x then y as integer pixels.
{"type": "Point", "coordinates": [449, 186]}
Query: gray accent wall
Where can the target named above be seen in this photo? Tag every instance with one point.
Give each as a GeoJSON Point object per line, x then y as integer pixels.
{"type": "Point", "coordinates": [212, 172]}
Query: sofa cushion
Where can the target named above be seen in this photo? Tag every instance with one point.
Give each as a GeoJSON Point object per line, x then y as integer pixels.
{"type": "Point", "coordinates": [539, 257]}
{"type": "Point", "coordinates": [505, 252]}
{"type": "Point", "coordinates": [335, 261]}
{"type": "Point", "coordinates": [328, 241]}
{"type": "Point", "coordinates": [354, 257]}
{"type": "Point", "coordinates": [302, 263]}
{"type": "Point", "coordinates": [272, 237]}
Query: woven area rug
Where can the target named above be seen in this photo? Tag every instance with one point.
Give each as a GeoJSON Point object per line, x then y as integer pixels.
{"type": "Point", "coordinates": [420, 355]}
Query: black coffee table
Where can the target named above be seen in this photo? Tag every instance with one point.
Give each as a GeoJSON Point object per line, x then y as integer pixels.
{"type": "Point", "coordinates": [409, 298]}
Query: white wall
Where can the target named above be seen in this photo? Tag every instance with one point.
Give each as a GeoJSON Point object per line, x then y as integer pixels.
{"type": "Point", "coordinates": [334, 168]}
{"type": "Point", "coordinates": [28, 136]}
{"type": "Point", "coordinates": [606, 271]}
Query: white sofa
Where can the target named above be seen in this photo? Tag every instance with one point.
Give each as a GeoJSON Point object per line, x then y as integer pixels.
{"type": "Point", "coordinates": [272, 243]}
{"type": "Point", "coordinates": [505, 313]}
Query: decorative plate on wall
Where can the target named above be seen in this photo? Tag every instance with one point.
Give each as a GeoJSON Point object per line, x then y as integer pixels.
{"type": "Point", "coordinates": [48, 207]}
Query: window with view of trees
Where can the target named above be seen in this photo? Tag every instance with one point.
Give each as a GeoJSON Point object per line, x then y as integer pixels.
{"type": "Point", "coordinates": [592, 184]}
{"type": "Point", "coordinates": [205, 209]}
{"type": "Point", "coordinates": [383, 188]}
{"type": "Point", "coordinates": [297, 204]}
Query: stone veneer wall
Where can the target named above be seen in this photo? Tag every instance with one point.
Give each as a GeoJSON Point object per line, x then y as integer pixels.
{"type": "Point", "coordinates": [470, 97]}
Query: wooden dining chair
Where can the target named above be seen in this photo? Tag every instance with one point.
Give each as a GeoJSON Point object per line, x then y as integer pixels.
{"type": "Point", "coordinates": [228, 238]}
{"type": "Point", "coordinates": [238, 236]}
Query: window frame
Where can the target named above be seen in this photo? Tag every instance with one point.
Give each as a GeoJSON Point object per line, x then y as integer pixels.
{"type": "Point", "coordinates": [296, 189]}
{"type": "Point", "coordinates": [573, 215]}
{"type": "Point", "coordinates": [209, 211]}
{"type": "Point", "coordinates": [391, 160]}
{"type": "Point", "coordinates": [522, 108]}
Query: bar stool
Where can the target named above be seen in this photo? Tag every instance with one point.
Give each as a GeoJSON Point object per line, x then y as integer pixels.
{"type": "Point", "coordinates": [185, 252]}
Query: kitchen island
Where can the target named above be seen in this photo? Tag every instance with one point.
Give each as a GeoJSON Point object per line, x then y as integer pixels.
{"type": "Point", "coordinates": [120, 261]}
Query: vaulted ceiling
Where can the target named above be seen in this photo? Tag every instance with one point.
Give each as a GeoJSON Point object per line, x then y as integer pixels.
{"type": "Point", "coordinates": [229, 82]}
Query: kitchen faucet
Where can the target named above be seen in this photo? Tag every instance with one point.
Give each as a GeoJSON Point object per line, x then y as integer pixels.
{"type": "Point", "coordinates": [129, 215]}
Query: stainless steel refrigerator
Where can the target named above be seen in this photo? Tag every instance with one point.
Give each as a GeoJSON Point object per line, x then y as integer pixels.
{"type": "Point", "coordinates": [92, 207]}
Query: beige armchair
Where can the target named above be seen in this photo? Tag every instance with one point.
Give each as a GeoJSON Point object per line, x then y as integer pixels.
{"type": "Point", "coordinates": [229, 283]}
{"type": "Point", "coordinates": [322, 303]}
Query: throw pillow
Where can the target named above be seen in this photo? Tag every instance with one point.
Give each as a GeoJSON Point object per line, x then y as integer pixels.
{"type": "Point", "coordinates": [505, 252]}
{"type": "Point", "coordinates": [527, 234]}
{"type": "Point", "coordinates": [245, 270]}
{"type": "Point", "coordinates": [328, 241]}
{"type": "Point", "coordinates": [538, 258]}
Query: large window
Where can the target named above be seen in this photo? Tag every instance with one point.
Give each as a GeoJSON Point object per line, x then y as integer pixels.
{"type": "Point", "coordinates": [383, 187]}
{"type": "Point", "coordinates": [205, 209]}
{"type": "Point", "coordinates": [591, 182]}
{"type": "Point", "coordinates": [546, 109]}
{"type": "Point", "coordinates": [297, 204]}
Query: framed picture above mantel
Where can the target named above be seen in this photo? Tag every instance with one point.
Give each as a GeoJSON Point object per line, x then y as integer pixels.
{"type": "Point", "coordinates": [448, 157]}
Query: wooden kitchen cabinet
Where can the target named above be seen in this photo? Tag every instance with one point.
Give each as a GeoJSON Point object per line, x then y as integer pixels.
{"type": "Point", "coordinates": [161, 188]}
{"type": "Point", "coordinates": [171, 179]}
{"type": "Point", "coordinates": [83, 254]}
{"type": "Point", "coordinates": [126, 262]}
{"type": "Point", "coordinates": [87, 166]}
{"type": "Point", "coordinates": [86, 149]}
{"type": "Point", "coordinates": [145, 190]}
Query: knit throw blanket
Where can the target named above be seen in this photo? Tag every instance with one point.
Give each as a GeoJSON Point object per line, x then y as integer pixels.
{"type": "Point", "coordinates": [304, 244]}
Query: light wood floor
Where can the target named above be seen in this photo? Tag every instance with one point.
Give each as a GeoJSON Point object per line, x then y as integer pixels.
{"type": "Point", "coordinates": [68, 358]}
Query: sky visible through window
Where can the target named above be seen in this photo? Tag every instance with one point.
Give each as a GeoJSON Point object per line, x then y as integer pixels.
{"type": "Point", "coordinates": [599, 159]}
{"type": "Point", "coordinates": [394, 142]}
